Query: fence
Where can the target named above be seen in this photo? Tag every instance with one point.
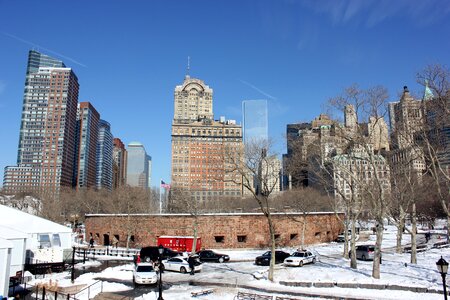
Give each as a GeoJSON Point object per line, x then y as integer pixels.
{"type": "Point", "coordinates": [83, 251]}
{"type": "Point", "coordinates": [48, 292]}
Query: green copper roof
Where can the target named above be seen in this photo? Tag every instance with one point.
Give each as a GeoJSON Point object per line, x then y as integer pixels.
{"type": "Point", "coordinates": [427, 94]}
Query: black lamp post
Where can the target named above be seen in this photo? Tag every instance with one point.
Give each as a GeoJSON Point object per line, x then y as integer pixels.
{"type": "Point", "coordinates": [161, 251]}
{"type": "Point", "coordinates": [442, 266]}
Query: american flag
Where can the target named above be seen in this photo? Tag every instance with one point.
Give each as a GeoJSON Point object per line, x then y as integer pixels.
{"type": "Point", "coordinates": [165, 185]}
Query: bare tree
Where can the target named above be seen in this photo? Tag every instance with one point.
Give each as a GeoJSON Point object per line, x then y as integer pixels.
{"type": "Point", "coordinates": [433, 138]}
{"type": "Point", "coordinates": [126, 201]}
{"type": "Point", "coordinates": [364, 173]}
{"type": "Point", "coordinates": [305, 201]}
{"type": "Point", "coordinates": [255, 167]}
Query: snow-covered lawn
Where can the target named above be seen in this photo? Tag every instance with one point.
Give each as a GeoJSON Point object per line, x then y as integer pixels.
{"type": "Point", "coordinates": [239, 274]}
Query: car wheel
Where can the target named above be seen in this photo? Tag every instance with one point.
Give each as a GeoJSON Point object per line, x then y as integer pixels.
{"type": "Point", "coordinates": [363, 257]}
{"type": "Point", "coordinates": [183, 270]}
{"type": "Point", "coordinates": [300, 264]}
{"type": "Point", "coordinates": [221, 260]}
{"type": "Point", "coordinates": [314, 261]}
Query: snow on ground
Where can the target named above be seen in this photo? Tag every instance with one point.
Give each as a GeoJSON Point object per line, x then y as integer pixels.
{"type": "Point", "coordinates": [331, 267]}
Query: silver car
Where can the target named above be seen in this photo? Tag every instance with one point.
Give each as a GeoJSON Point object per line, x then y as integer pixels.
{"type": "Point", "coordinates": [364, 252]}
{"type": "Point", "coordinates": [180, 264]}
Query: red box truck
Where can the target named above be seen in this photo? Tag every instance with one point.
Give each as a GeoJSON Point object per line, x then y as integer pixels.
{"type": "Point", "coordinates": [180, 243]}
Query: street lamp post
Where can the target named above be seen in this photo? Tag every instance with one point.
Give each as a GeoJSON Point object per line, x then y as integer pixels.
{"type": "Point", "coordinates": [160, 250]}
{"type": "Point", "coordinates": [442, 266]}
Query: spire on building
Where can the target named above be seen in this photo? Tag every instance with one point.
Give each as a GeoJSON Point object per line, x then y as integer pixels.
{"type": "Point", "coordinates": [188, 68]}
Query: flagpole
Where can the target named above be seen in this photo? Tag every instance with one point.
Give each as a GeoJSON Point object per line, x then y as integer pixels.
{"type": "Point", "coordinates": [160, 203]}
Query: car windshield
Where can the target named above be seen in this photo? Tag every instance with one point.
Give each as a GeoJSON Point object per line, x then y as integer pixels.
{"type": "Point", "coordinates": [299, 254]}
{"type": "Point", "coordinates": [268, 253]}
{"type": "Point", "coordinates": [144, 269]}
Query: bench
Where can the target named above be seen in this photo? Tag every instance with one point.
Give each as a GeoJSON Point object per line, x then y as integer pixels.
{"type": "Point", "coordinates": [202, 292]}
{"type": "Point", "coordinates": [250, 296]}
{"type": "Point", "coordinates": [442, 244]}
{"type": "Point", "coordinates": [419, 248]}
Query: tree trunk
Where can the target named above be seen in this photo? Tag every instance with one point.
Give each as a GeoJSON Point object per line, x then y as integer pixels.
{"type": "Point", "coordinates": [448, 228]}
{"type": "Point", "coordinates": [377, 256]}
{"type": "Point", "coordinates": [400, 228]}
{"type": "Point", "coordinates": [194, 243]}
{"type": "Point", "coordinates": [413, 234]}
{"type": "Point", "coordinates": [303, 232]}
{"type": "Point", "coordinates": [272, 240]}
{"type": "Point", "coordinates": [353, 263]}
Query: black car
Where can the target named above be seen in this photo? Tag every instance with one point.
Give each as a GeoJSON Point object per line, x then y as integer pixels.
{"type": "Point", "coordinates": [211, 256]}
{"type": "Point", "coordinates": [264, 259]}
{"type": "Point", "coordinates": [151, 253]}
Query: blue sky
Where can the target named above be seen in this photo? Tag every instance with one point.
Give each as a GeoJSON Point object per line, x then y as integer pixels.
{"type": "Point", "coordinates": [130, 55]}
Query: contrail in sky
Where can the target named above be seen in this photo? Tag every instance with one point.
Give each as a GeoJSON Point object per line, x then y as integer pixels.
{"type": "Point", "coordinates": [257, 89]}
{"type": "Point", "coordinates": [48, 50]}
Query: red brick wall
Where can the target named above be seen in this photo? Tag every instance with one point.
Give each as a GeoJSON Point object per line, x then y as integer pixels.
{"type": "Point", "coordinates": [320, 227]}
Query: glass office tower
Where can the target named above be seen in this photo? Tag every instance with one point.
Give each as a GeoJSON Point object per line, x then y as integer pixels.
{"type": "Point", "coordinates": [255, 120]}
{"type": "Point", "coordinates": [137, 166]}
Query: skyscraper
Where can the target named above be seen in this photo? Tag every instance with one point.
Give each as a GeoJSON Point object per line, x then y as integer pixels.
{"type": "Point", "coordinates": [254, 121]}
{"type": "Point", "coordinates": [199, 144]}
{"type": "Point", "coordinates": [120, 163]}
{"type": "Point", "coordinates": [87, 135]}
{"type": "Point", "coordinates": [104, 156]}
{"type": "Point", "coordinates": [45, 156]}
{"type": "Point", "coordinates": [137, 166]}
{"type": "Point", "coordinates": [406, 118]}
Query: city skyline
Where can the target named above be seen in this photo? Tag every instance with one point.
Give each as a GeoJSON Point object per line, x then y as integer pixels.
{"type": "Point", "coordinates": [295, 54]}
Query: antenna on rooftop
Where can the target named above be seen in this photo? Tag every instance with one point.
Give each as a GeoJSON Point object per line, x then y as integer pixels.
{"type": "Point", "coordinates": [188, 66]}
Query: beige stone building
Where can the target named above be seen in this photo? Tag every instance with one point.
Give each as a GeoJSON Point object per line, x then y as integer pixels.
{"type": "Point", "coordinates": [201, 146]}
{"type": "Point", "coordinates": [406, 117]}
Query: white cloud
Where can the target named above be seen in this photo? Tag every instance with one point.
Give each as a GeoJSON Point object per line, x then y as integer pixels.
{"type": "Point", "coordinates": [373, 12]}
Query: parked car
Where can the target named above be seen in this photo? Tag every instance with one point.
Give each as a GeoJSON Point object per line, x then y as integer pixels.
{"type": "Point", "coordinates": [151, 253]}
{"type": "Point", "coordinates": [341, 237]}
{"type": "Point", "coordinates": [364, 252]}
{"type": "Point", "coordinates": [144, 273]}
{"type": "Point", "coordinates": [264, 259]}
{"type": "Point", "coordinates": [299, 258]}
{"type": "Point", "coordinates": [211, 256]}
{"type": "Point", "coordinates": [180, 264]}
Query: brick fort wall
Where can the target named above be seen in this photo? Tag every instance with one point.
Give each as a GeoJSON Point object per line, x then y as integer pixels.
{"type": "Point", "coordinates": [244, 230]}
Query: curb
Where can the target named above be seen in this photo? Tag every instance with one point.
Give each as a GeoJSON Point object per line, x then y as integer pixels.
{"type": "Point", "coordinates": [373, 286]}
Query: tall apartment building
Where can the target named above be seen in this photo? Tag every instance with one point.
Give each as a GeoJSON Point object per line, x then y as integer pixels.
{"type": "Point", "coordinates": [120, 163]}
{"type": "Point", "coordinates": [87, 136]}
{"type": "Point", "coordinates": [137, 166]}
{"type": "Point", "coordinates": [45, 157]}
{"type": "Point", "coordinates": [104, 178]}
{"type": "Point", "coordinates": [255, 121]}
{"type": "Point", "coordinates": [201, 144]}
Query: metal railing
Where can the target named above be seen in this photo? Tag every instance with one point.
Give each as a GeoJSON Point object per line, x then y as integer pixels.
{"type": "Point", "coordinates": [42, 292]}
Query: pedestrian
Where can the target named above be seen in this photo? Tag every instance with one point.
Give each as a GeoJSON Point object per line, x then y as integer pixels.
{"type": "Point", "coordinates": [115, 241]}
{"type": "Point", "coordinates": [191, 261]}
{"type": "Point", "coordinates": [91, 242]}
{"type": "Point", "coordinates": [427, 236]}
